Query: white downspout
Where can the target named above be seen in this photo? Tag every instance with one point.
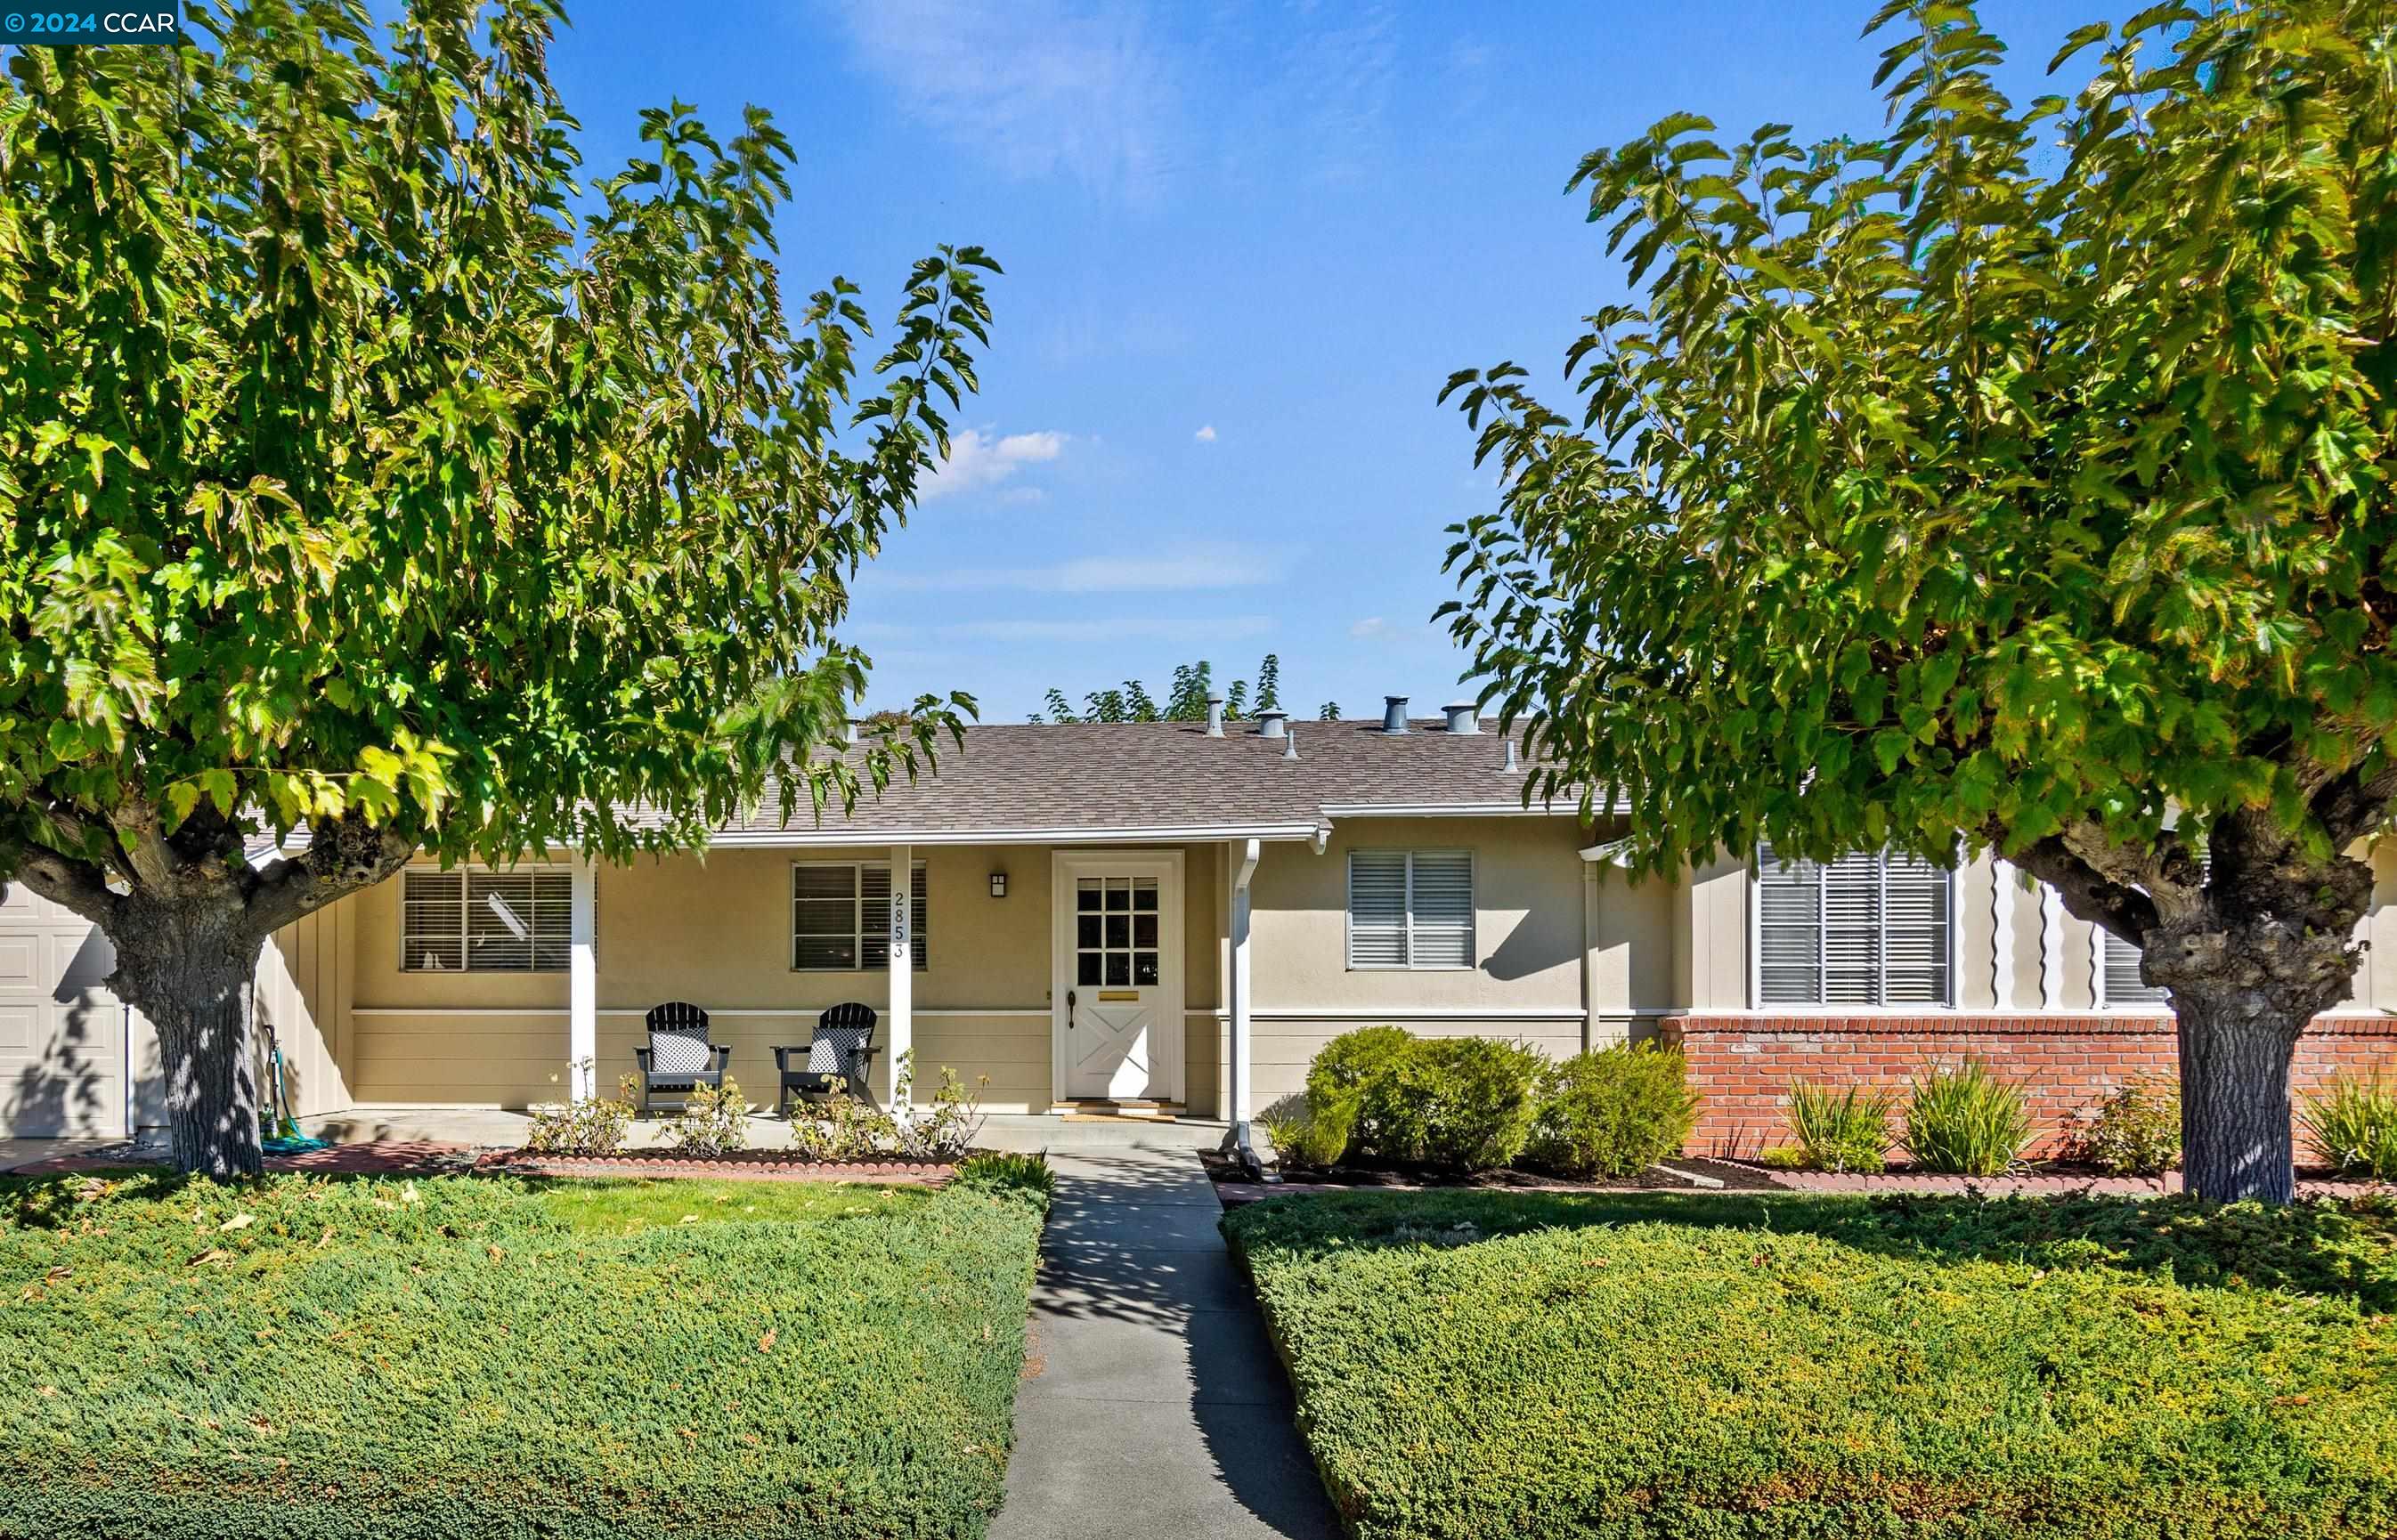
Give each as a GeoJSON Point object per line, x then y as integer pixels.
{"type": "Point", "coordinates": [583, 980]}
{"type": "Point", "coordinates": [1238, 1142]}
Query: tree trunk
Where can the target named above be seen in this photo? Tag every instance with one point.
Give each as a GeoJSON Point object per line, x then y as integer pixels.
{"type": "Point", "coordinates": [190, 969]}
{"type": "Point", "coordinates": [2236, 1141]}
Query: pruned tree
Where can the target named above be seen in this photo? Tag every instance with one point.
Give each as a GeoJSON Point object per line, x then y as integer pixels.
{"type": "Point", "coordinates": [1185, 698]}
{"type": "Point", "coordinates": [1944, 491]}
{"type": "Point", "coordinates": [353, 481]}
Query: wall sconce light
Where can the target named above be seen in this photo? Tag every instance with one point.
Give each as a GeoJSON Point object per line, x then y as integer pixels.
{"type": "Point", "coordinates": [998, 884]}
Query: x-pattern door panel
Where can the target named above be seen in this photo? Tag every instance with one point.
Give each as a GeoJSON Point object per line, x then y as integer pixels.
{"type": "Point", "coordinates": [1119, 984]}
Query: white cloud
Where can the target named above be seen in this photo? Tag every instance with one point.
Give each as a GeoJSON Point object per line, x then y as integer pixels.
{"type": "Point", "coordinates": [978, 460]}
{"type": "Point", "coordinates": [1205, 435]}
{"type": "Point", "coordinates": [1371, 625]}
{"type": "Point", "coordinates": [1037, 89]}
{"type": "Point", "coordinates": [1175, 569]}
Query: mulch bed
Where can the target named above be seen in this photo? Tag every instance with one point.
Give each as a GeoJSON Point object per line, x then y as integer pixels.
{"type": "Point", "coordinates": [1233, 1186]}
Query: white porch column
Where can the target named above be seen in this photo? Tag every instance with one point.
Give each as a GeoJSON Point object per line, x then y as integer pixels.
{"type": "Point", "coordinates": [1588, 954]}
{"type": "Point", "coordinates": [2002, 932]}
{"type": "Point", "coordinates": [581, 978]}
{"type": "Point", "coordinates": [900, 1028]}
{"type": "Point", "coordinates": [1240, 1098]}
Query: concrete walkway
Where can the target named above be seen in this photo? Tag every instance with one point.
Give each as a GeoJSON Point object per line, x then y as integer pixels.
{"type": "Point", "coordinates": [1152, 1403]}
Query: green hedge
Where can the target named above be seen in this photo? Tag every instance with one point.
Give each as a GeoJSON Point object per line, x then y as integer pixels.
{"type": "Point", "coordinates": [1643, 1367]}
{"type": "Point", "coordinates": [447, 1357]}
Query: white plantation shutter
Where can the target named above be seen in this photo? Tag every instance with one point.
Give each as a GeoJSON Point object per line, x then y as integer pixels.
{"type": "Point", "coordinates": [1863, 930]}
{"type": "Point", "coordinates": [840, 916]}
{"type": "Point", "coordinates": [484, 922]}
{"type": "Point", "coordinates": [1377, 909]}
{"type": "Point", "coordinates": [433, 922]}
{"type": "Point", "coordinates": [1440, 909]}
{"type": "Point", "coordinates": [2122, 983]}
{"type": "Point", "coordinates": [1410, 909]}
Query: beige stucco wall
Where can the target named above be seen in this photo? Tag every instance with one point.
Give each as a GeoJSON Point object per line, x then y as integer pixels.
{"type": "Point", "coordinates": [716, 930]}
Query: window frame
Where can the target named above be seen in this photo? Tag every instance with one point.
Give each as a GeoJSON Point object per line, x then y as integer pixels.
{"type": "Point", "coordinates": [465, 874]}
{"type": "Point", "coordinates": [1881, 1005]}
{"type": "Point", "coordinates": [1473, 910]}
{"type": "Point", "coordinates": [918, 927]}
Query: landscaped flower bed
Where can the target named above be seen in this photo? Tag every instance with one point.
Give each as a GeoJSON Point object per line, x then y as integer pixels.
{"type": "Point", "coordinates": [1556, 1367]}
{"type": "Point", "coordinates": [471, 1356]}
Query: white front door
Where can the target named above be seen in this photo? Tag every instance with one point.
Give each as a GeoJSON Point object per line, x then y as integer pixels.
{"type": "Point", "coordinates": [1117, 999]}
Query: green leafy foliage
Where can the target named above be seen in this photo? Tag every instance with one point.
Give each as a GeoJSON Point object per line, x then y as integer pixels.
{"type": "Point", "coordinates": [1614, 1111]}
{"type": "Point", "coordinates": [2353, 1123]}
{"type": "Point", "coordinates": [1026, 1176]}
{"type": "Point", "coordinates": [1966, 1121]}
{"type": "Point", "coordinates": [2137, 1130]}
{"type": "Point", "coordinates": [1453, 1103]}
{"type": "Point", "coordinates": [2018, 476]}
{"type": "Point", "coordinates": [365, 468]}
{"type": "Point", "coordinates": [451, 1357]}
{"type": "Point", "coordinates": [1842, 1128]}
{"type": "Point", "coordinates": [710, 1121]}
{"type": "Point", "coordinates": [1305, 1139]}
{"type": "Point", "coordinates": [590, 1125]}
{"type": "Point", "coordinates": [1185, 699]}
{"type": "Point", "coordinates": [1563, 1367]}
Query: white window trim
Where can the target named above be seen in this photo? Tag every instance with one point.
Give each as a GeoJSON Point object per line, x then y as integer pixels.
{"type": "Point", "coordinates": [915, 941]}
{"type": "Point", "coordinates": [1952, 940]}
{"type": "Point", "coordinates": [1472, 924]}
{"type": "Point", "coordinates": [461, 871]}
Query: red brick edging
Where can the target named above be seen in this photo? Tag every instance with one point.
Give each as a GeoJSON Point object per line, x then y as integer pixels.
{"type": "Point", "coordinates": [752, 1168]}
{"type": "Point", "coordinates": [1743, 1064]}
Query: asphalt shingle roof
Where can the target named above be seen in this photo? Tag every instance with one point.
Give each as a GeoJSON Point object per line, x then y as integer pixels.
{"type": "Point", "coordinates": [1089, 778]}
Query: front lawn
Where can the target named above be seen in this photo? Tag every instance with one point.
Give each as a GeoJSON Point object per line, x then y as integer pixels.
{"type": "Point", "coordinates": [470, 1356]}
{"type": "Point", "coordinates": [1475, 1364]}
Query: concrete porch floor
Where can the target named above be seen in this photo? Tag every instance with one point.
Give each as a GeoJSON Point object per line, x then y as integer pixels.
{"type": "Point", "coordinates": [492, 1128]}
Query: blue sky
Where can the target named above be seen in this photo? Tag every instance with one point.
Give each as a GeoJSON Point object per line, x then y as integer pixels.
{"type": "Point", "coordinates": [1245, 243]}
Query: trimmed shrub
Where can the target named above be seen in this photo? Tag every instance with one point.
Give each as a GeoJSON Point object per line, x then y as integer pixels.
{"type": "Point", "coordinates": [1352, 1069]}
{"type": "Point", "coordinates": [2136, 1130]}
{"type": "Point", "coordinates": [2353, 1123]}
{"type": "Point", "coordinates": [365, 1359]}
{"type": "Point", "coordinates": [1612, 1113]}
{"type": "Point", "coordinates": [1571, 1366]}
{"type": "Point", "coordinates": [1966, 1122]}
{"type": "Point", "coordinates": [1846, 1129]}
{"type": "Point", "coordinates": [1453, 1103]}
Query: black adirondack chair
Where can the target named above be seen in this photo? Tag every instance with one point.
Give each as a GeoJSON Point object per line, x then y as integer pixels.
{"type": "Point", "coordinates": [679, 1057]}
{"type": "Point", "coordinates": [843, 1050]}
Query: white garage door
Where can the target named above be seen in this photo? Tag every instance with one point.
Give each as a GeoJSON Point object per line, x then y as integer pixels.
{"type": "Point", "coordinates": [61, 1035]}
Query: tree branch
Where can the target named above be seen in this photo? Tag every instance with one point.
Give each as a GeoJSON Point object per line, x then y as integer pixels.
{"type": "Point", "coordinates": [81, 886]}
{"type": "Point", "coordinates": [2351, 805]}
{"type": "Point", "coordinates": [342, 857]}
{"type": "Point", "coordinates": [2092, 894]}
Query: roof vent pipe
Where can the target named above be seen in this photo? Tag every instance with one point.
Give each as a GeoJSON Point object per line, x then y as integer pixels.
{"type": "Point", "coordinates": [1272, 724]}
{"type": "Point", "coordinates": [849, 731]}
{"type": "Point", "coordinates": [1394, 714]}
{"type": "Point", "coordinates": [1463, 716]}
{"type": "Point", "coordinates": [1214, 713]}
{"type": "Point", "coordinates": [1290, 744]}
{"type": "Point", "coordinates": [1510, 754]}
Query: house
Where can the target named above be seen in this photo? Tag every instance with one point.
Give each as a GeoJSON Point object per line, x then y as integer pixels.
{"type": "Point", "coordinates": [1164, 912]}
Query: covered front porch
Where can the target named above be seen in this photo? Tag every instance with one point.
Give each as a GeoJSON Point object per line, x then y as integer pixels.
{"type": "Point", "coordinates": [1042, 971]}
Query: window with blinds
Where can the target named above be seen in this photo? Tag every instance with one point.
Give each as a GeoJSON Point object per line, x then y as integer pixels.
{"type": "Point", "coordinates": [1410, 909]}
{"type": "Point", "coordinates": [484, 922]}
{"type": "Point", "coordinates": [1863, 930]}
{"type": "Point", "coordinates": [2119, 975]}
{"type": "Point", "coordinates": [840, 916]}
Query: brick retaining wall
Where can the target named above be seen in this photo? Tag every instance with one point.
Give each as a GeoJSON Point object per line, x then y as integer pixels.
{"type": "Point", "coordinates": [1744, 1065]}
